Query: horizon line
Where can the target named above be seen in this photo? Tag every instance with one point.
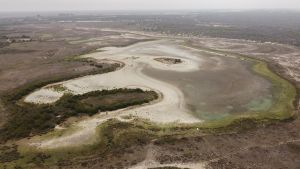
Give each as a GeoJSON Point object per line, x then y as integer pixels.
{"type": "Point", "coordinates": [149, 10]}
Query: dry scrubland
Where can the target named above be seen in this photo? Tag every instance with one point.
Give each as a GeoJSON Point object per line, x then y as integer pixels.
{"type": "Point", "coordinates": [129, 141]}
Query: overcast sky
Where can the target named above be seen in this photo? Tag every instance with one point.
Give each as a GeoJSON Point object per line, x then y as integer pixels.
{"type": "Point", "coordinates": [59, 5]}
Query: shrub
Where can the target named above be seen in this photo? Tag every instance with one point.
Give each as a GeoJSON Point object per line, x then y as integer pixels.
{"type": "Point", "coordinates": [29, 119]}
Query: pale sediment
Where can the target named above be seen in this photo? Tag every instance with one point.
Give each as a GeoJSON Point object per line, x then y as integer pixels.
{"type": "Point", "coordinates": [169, 108]}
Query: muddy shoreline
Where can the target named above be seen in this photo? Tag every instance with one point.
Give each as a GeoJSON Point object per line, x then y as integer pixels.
{"type": "Point", "coordinates": [276, 68]}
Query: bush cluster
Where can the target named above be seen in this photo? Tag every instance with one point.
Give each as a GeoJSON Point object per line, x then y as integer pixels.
{"type": "Point", "coordinates": [29, 119]}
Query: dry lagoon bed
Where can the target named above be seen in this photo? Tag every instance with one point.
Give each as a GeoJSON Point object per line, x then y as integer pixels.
{"type": "Point", "coordinates": [214, 75]}
{"type": "Point", "coordinates": [204, 73]}
{"type": "Point", "coordinates": [130, 76]}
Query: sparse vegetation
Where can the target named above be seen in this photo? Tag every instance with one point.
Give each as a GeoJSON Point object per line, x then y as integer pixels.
{"type": "Point", "coordinates": [115, 138]}
{"type": "Point", "coordinates": [122, 135]}
{"type": "Point", "coordinates": [169, 60]}
{"type": "Point", "coordinates": [9, 153]}
{"type": "Point", "coordinates": [58, 87]}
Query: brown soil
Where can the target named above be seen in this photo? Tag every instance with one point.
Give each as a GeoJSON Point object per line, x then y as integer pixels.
{"type": "Point", "coordinates": [121, 159]}
{"type": "Point", "coordinates": [264, 147]}
{"type": "Point", "coordinates": [42, 60]}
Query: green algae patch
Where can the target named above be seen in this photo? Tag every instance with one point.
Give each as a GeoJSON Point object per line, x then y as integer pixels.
{"type": "Point", "coordinates": [281, 107]}
{"type": "Point", "coordinates": [284, 93]}
{"type": "Point", "coordinates": [260, 104]}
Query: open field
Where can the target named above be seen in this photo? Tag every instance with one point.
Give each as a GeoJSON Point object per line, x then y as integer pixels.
{"type": "Point", "coordinates": [226, 104]}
